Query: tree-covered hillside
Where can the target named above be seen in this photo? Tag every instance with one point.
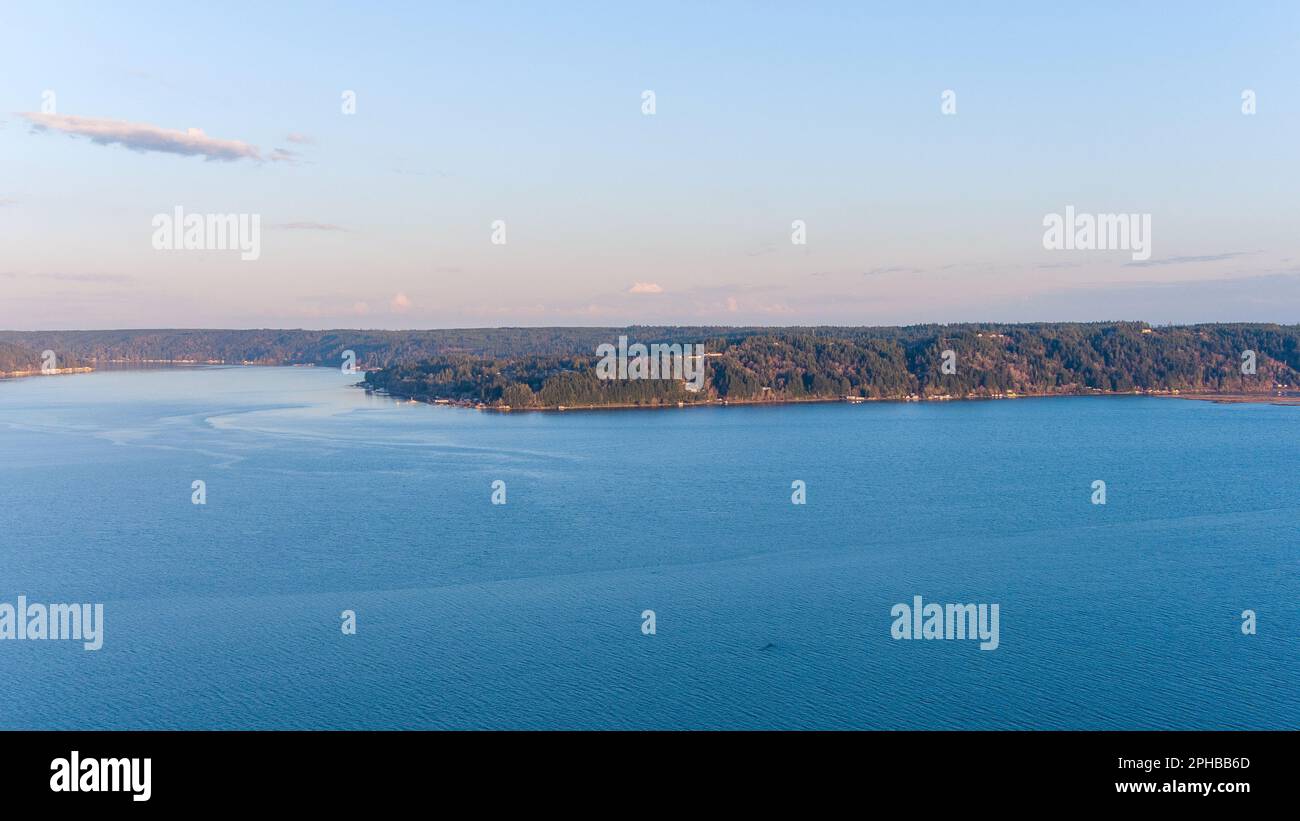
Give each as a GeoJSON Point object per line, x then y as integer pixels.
{"type": "Point", "coordinates": [326, 348]}
{"type": "Point", "coordinates": [884, 363]}
{"type": "Point", "coordinates": [15, 358]}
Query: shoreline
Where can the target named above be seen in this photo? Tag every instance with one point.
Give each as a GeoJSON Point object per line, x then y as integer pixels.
{"type": "Point", "coordinates": [1216, 397]}
{"type": "Point", "coordinates": [39, 372]}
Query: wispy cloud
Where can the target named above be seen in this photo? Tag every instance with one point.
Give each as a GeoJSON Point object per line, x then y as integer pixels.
{"type": "Point", "coordinates": [300, 139]}
{"type": "Point", "coordinates": [645, 288]}
{"type": "Point", "coordinates": [308, 226]}
{"type": "Point", "coordinates": [62, 277]}
{"type": "Point", "coordinates": [1273, 297]}
{"type": "Point", "coordinates": [1050, 266]}
{"type": "Point", "coordinates": [143, 136]}
{"type": "Point", "coordinates": [1187, 260]}
{"type": "Point", "coordinates": [508, 311]}
{"type": "Point", "coordinates": [893, 269]}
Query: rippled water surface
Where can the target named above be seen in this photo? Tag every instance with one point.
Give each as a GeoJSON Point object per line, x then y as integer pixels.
{"type": "Point", "coordinates": [768, 614]}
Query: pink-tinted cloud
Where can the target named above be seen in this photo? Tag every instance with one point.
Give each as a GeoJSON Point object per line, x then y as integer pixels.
{"type": "Point", "coordinates": [645, 288]}
{"type": "Point", "coordinates": [143, 137]}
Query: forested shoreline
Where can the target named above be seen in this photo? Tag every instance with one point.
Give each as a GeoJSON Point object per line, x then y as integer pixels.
{"type": "Point", "coordinates": [16, 360]}
{"type": "Point", "coordinates": [525, 368]}
{"type": "Point", "coordinates": [985, 361]}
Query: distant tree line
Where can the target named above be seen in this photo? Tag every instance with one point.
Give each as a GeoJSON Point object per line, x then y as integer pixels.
{"type": "Point", "coordinates": [326, 348]}
{"type": "Point", "coordinates": [546, 367]}
{"type": "Point", "coordinates": [886, 363]}
{"type": "Point", "coordinates": [15, 358]}
{"type": "Point", "coordinates": [21, 359]}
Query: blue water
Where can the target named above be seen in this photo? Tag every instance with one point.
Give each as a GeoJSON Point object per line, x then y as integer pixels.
{"type": "Point", "coordinates": [528, 615]}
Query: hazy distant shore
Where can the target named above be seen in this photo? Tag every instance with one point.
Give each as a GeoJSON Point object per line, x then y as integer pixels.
{"type": "Point", "coordinates": [39, 372]}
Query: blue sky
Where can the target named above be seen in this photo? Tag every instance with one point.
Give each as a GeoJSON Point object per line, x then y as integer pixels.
{"type": "Point", "coordinates": [765, 114]}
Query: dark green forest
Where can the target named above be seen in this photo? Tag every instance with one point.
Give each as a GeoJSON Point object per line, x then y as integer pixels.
{"type": "Point", "coordinates": [882, 363]}
{"type": "Point", "coordinates": [548, 367]}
